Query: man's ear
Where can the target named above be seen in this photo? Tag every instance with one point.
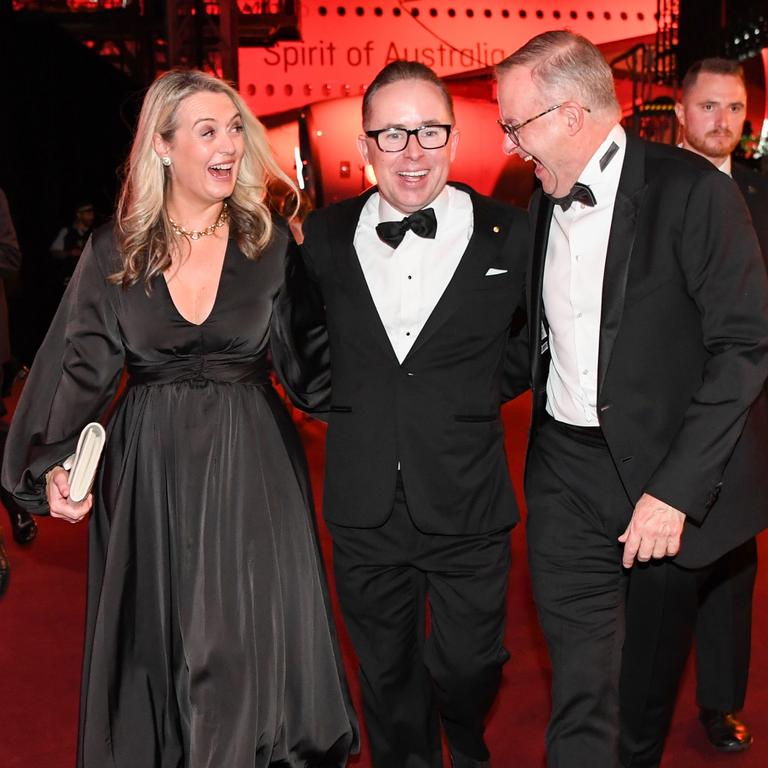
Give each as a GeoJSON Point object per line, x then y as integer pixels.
{"type": "Point", "coordinates": [680, 114]}
{"type": "Point", "coordinates": [574, 117]}
{"type": "Point", "coordinates": [362, 148]}
{"type": "Point", "coordinates": [454, 143]}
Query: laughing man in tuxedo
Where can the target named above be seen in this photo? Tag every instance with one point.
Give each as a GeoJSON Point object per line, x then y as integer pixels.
{"type": "Point", "coordinates": [648, 318]}
{"type": "Point", "coordinates": [420, 280]}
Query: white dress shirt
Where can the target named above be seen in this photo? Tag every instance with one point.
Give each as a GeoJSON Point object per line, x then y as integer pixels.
{"type": "Point", "coordinates": [407, 282]}
{"type": "Point", "coordinates": [573, 288]}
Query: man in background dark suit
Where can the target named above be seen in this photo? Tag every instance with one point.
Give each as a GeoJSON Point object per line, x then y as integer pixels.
{"type": "Point", "coordinates": [420, 280]}
{"type": "Point", "coordinates": [24, 527]}
{"type": "Point", "coordinates": [711, 113]}
{"type": "Point", "coordinates": [648, 329]}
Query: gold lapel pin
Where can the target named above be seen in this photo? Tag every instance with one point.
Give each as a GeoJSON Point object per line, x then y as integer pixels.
{"type": "Point", "coordinates": [497, 229]}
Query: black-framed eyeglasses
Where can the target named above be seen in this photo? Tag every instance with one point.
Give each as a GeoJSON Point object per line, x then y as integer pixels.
{"type": "Point", "coordinates": [513, 131]}
{"type": "Point", "coordinates": [396, 139]}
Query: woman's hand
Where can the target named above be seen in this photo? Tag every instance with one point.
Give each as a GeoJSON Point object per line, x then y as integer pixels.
{"type": "Point", "coordinates": [57, 491]}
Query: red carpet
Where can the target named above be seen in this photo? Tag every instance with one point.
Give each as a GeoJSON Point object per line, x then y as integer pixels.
{"type": "Point", "coordinates": [41, 623]}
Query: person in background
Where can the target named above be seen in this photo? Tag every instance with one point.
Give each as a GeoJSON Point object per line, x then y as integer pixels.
{"type": "Point", "coordinates": [648, 337]}
{"type": "Point", "coordinates": [10, 263]}
{"type": "Point", "coordinates": [23, 527]}
{"type": "Point", "coordinates": [209, 638]}
{"type": "Point", "coordinates": [420, 281]}
{"type": "Point", "coordinates": [70, 242]}
{"type": "Point", "coordinates": [711, 113]}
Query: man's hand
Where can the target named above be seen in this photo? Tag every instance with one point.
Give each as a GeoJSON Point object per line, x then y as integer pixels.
{"type": "Point", "coordinates": [653, 531]}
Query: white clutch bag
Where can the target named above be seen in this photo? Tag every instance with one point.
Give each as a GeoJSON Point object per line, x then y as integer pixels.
{"type": "Point", "coordinates": [83, 463]}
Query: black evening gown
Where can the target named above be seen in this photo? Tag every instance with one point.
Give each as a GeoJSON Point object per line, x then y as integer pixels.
{"type": "Point", "coordinates": [209, 642]}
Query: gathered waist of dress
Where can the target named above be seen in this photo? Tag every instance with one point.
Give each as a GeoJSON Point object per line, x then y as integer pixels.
{"type": "Point", "coordinates": [201, 370]}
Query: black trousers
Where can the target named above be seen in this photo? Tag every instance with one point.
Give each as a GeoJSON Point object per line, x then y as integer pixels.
{"type": "Point", "coordinates": [663, 610]}
{"type": "Point", "coordinates": [577, 509]}
{"type": "Point", "coordinates": [724, 630]}
{"type": "Point", "coordinates": [418, 672]}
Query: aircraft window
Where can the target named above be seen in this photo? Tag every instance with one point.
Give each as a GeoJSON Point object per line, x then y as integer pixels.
{"type": "Point", "coordinates": [322, 10]}
{"type": "Point", "coordinates": [378, 11]}
{"type": "Point", "coordinates": [487, 13]}
{"type": "Point", "coordinates": [396, 11]}
{"type": "Point", "coordinates": [641, 16]}
{"type": "Point", "coordinates": [451, 12]}
{"type": "Point", "coordinates": [270, 90]}
{"type": "Point", "coordinates": [539, 14]}
{"type": "Point", "coordinates": [590, 15]}
{"type": "Point", "coordinates": [414, 12]}
{"type": "Point", "coordinates": [574, 15]}
{"type": "Point", "coordinates": [470, 13]}
{"type": "Point", "coordinates": [433, 12]}
{"type": "Point", "coordinates": [556, 14]}
{"type": "Point", "coordinates": [505, 13]}
{"type": "Point", "coordinates": [326, 89]}
{"type": "Point", "coordinates": [359, 11]}
{"type": "Point", "coordinates": [307, 89]}
{"type": "Point", "coordinates": [523, 14]}
{"type": "Point", "coordinates": [250, 89]}
{"type": "Point", "coordinates": [288, 89]}
{"type": "Point", "coordinates": [607, 15]}
{"type": "Point", "coordinates": [346, 89]}
{"type": "Point", "coordinates": [623, 15]}
{"type": "Point", "coordinates": [341, 10]}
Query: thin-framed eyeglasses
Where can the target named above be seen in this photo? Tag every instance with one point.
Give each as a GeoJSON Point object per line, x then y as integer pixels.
{"type": "Point", "coordinates": [396, 139]}
{"type": "Point", "coordinates": [513, 131]}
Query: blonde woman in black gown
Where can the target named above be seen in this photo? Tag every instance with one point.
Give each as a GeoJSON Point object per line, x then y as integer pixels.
{"type": "Point", "coordinates": [209, 640]}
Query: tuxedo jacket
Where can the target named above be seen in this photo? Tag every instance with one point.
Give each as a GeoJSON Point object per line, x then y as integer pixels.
{"type": "Point", "coordinates": [436, 415]}
{"type": "Point", "coordinates": [683, 347]}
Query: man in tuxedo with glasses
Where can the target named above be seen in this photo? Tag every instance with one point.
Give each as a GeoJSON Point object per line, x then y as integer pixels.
{"type": "Point", "coordinates": [648, 338]}
{"type": "Point", "coordinates": [422, 283]}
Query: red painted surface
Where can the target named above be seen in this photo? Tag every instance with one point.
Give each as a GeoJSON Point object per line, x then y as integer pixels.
{"type": "Point", "coordinates": [346, 43]}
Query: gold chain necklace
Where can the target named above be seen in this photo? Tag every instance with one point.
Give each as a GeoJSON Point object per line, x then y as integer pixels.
{"type": "Point", "coordinates": [196, 234]}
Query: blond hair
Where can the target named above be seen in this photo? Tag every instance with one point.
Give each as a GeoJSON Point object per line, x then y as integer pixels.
{"type": "Point", "coordinates": [566, 66]}
{"type": "Point", "coordinates": [143, 229]}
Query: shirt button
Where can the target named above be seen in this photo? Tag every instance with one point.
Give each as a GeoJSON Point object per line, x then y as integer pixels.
{"type": "Point", "coordinates": [410, 277]}
{"type": "Point", "coordinates": [585, 372]}
{"type": "Point", "coordinates": [407, 333]}
{"type": "Point", "coordinates": [578, 315]}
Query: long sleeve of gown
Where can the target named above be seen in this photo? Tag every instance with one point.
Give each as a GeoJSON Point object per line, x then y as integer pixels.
{"type": "Point", "coordinates": [74, 377]}
{"type": "Point", "coordinates": [299, 342]}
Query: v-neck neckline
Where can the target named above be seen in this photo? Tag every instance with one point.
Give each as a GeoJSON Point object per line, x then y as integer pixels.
{"type": "Point", "coordinates": [215, 299]}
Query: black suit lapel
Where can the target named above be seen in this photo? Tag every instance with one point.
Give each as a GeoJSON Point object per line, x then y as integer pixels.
{"type": "Point", "coordinates": [350, 274]}
{"type": "Point", "coordinates": [478, 255]}
{"type": "Point", "coordinates": [620, 244]}
{"type": "Point", "coordinates": [541, 213]}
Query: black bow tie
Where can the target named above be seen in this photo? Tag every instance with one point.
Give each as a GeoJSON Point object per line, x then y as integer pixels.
{"type": "Point", "coordinates": [422, 223]}
{"type": "Point", "coordinates": [580, 193]}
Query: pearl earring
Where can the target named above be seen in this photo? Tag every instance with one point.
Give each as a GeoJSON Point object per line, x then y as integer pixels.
{"type": "Point", "coordinates": [166, 161]}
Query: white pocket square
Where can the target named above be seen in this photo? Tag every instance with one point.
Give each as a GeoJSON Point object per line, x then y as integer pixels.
{"type": "Point", "coordinates": [494, 271]}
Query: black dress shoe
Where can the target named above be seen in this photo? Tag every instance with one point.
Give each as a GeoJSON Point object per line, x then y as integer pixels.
{"type": "Point", "coordinates": [23, 525]}
{"type": "Point", "coordinates": [725, 731]}
{"type": "Point", "coordinates": [5, 567]}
